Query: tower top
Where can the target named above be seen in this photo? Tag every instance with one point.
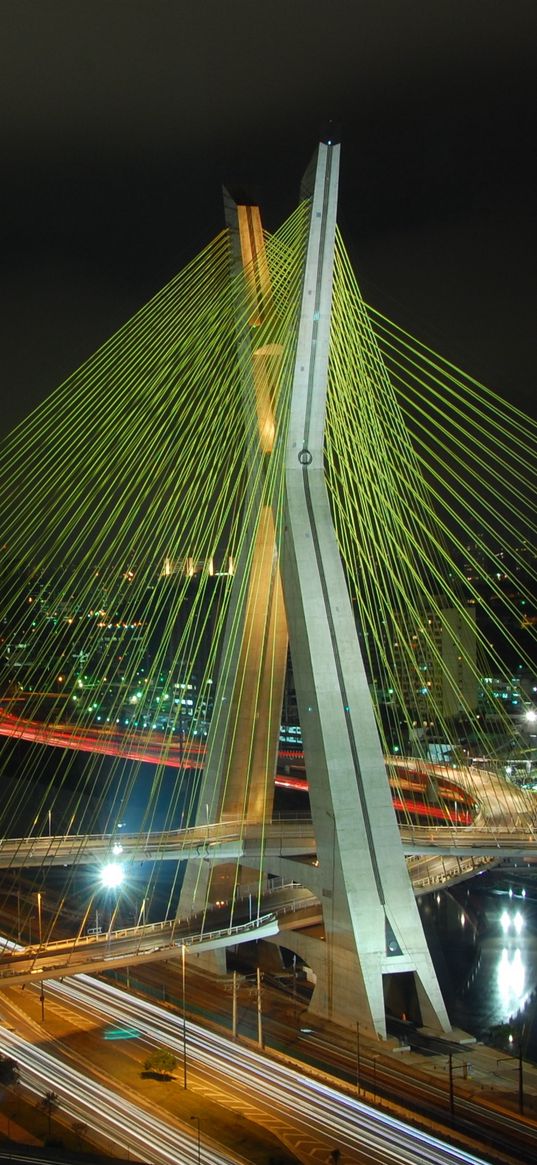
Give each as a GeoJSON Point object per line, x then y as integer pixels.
{"type": "Point", "coordinates": [330, 132]}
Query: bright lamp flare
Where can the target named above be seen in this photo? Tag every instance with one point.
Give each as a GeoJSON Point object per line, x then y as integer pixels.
{"type": "Point", "coordinates": [112, 875]}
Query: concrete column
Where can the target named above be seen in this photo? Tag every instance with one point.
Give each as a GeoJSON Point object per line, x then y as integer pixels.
{"type": "Point", "coordinates": [368, 904]}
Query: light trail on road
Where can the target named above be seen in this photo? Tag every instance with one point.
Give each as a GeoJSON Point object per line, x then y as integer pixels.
{"type": "Point", "coordinates": [108, 1114]}
{"type": "Point", "coordinates": [308, 1114]}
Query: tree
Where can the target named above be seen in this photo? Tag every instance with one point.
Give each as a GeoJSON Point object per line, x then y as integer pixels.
{"type": "Point", "coordinates": [50, 1103]}
{"type": "Point", "coordinates": [161, 1062]}
{"type": "Point", "coordinates": [9, 1071]}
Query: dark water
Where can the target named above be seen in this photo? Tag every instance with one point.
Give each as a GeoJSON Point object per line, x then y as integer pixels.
{"type": "Point", "coordinates": [483, 936]}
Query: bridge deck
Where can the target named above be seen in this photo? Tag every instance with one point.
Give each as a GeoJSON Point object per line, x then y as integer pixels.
{"type": "Point", "coordinates": [231, 840]}
{"type": "Point", "coordinates": [91, 953]}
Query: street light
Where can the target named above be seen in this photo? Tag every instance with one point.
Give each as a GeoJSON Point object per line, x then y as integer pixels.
{"type": "Point", "coordinates": [183, 967]}
{"type": "Point", "coordinates": [112, 875]}
{"type": "Point", "coordinates": [375, 1058]}
{"type": "Point", "coordinates": [451, 1093]}
{"type": "Point", "coordinates": [259, 1010]}
{"type": "Point", "coordinates": [39, 923]}
{"type": "Point", "coordinates": [358, 1067]}
{"type": "Point", "coordinates": [40, 926]}
{"type": "Point", "coordinates": [197, 1120]}
{"type": "Point", "coordinates": [451, 1070]}
{"type": "Point", "coordinates": [520, 1076]}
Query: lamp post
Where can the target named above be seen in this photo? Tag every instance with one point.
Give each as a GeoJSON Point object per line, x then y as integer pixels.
{"type": "Point", "coordinates": [451, 1070]}
{"type": "Point", "coordinates": [40, 926]}
{"type": "Point", "coordinates": [234, 1007]}
{"type": "Point", "coordinates": [520, 1080]}
{"type": "Point", "coordinates": [451, 1094]}
{"type": "Point", "coordinates": [197, 1120]}
{"type": "Point", "coordinates": [39, 921]}
{"type": "Point", "coordinates": [259, 1010]}
{"type": "Point", "coordinates": [183, 968]}
{"type": "Point", "coordinates": [520, 1070]}
{"type": "Point", "coordinates": [358, 1071]}
{"type": "Point", "coordinates": [503, 1059]}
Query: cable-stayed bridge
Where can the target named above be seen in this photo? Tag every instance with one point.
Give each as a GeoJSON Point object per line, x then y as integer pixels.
{"type": "Point", "coordinates": [259, 493]}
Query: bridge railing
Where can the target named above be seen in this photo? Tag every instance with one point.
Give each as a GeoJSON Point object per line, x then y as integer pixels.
{"type": "Point", "coordinates": [110, 938]}
{"type": "Point", "coordinates": [227, 829]}
{"type": "Point", "coordinates": [459, 868]}
{"type": "Point", "coordinates": [508, 836]}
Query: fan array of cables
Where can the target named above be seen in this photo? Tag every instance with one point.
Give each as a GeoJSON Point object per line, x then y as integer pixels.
{"type": "Point", "coordinates": [131, 503]}
{"type": "Point", "coordinates": [130, 498]}
{"type": "Point", "coordinates": [432, 479]}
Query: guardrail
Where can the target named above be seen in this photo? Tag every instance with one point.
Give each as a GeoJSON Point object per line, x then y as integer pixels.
{"type": "Point", "coordinates": [31, 954]}
{"type": "Point", "coordinates": [461, 868]}
{"type": "Point", "coordinates": [226, 830]}
{"type": "Point", "coordinates": [468, 837]}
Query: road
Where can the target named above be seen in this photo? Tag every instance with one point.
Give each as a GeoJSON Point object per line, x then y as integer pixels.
{"type": "Point", "coordinates": [127, 1125]}
{"type": "Point", "coordinates": [121, 948]}
{"type": "Point", "coordinates": [420, 1083]}
{"type": "Point", "coordinates": [309, 1116]}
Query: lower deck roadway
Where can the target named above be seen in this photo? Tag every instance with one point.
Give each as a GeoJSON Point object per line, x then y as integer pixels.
{"type": "Point", "coordinates": [420, 1080]}
{"type": "Point", "coordinates": [228, 924]}
{"type": "Point", "coordinates": [331, 1116]}
{"type": "Point", "coordinates": [122, 948]}
{"type": "Point", "coordinates": [281, 906]}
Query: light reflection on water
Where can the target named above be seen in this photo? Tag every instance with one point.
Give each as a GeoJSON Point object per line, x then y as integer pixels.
{"type": "Point", "coordinates": [511, 978]}
{"type": "Point", "coordinates": [499, 984]}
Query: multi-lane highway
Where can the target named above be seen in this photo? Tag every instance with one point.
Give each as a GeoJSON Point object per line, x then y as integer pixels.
{"type": "Point", "coordinates": [310, 1116]}
{"type": "Point", "coordinates": [109, 1115]}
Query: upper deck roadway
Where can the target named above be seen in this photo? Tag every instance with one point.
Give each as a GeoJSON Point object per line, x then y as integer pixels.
{"type": "Point", "coordinates": [230, 840]}
{"type": "Point", "coordinates": [505, 825]}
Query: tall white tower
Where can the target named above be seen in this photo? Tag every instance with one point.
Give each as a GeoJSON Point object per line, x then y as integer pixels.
{"type": "Point", "coordinates": [371, 922]}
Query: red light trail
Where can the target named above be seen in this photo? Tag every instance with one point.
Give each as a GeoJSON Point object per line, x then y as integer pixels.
{"type": "Point", "coordinates": [409, 784]}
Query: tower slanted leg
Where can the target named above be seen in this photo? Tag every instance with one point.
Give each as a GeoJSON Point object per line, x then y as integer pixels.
{"type": "Point", "coordinates": [368, 904]}
{"type": "Point", "coordinates": [238, 780]}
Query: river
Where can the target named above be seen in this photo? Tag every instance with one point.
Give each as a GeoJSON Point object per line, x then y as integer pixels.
{"type": "Point", "coordinates": [483, 935]}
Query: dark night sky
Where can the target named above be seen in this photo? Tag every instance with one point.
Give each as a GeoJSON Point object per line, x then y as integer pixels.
{"type": "Point", "coordinates": [119, 120]}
